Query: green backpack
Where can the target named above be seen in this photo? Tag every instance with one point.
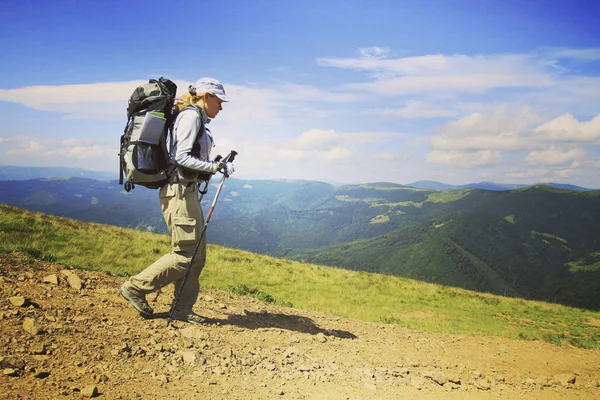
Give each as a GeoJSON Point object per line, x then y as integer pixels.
{"type": "Point", "coordinates": [144, 156]}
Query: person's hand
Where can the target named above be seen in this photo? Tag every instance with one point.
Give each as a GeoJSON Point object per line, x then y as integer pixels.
{"type": "Point", "coordinates": [228, 169]}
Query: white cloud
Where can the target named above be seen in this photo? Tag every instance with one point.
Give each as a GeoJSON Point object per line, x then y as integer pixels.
{"type": "Point", "coordinates": [91, 100]}
{"type": "Point", "coordinates": [554, 156]}
{"type": "Point", "coordinates": [29, 147]}
{"type": "Point", "coordinates": [317, 139]}
{"type": "Point", "coordinates": [109, 99]}
{"type": "Point", "coordinates": [439, 73]}
{"type": "Point", "coordinates": [64, 150]}
{"type": "Point", "coordinates": [464, 159]}
{"type": "Point", "coordinates": [589, 54]}
{"type": "Point", "coordinates": [418, 109]}
{"type": "Point", "coordinates": [336, 154]}
{"type": "Point", "coordinates": [499, 131]}
{"type": "Point", "coordinates": [567, 128]}
{"type": "Point", "coordinates": [373, 52]}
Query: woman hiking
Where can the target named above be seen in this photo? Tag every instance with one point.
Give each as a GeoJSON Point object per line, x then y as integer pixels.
{"type": "Point", "coordinates": [190, 164]}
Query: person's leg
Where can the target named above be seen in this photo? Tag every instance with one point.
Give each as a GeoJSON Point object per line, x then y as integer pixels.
{"type": "Point", "coordinates": [191, 286]}
{"type": "Point", "coordinates": [183, 215]}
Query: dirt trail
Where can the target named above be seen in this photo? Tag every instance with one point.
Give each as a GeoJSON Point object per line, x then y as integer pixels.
{"type": "Point", "coordinates": [66, 342]}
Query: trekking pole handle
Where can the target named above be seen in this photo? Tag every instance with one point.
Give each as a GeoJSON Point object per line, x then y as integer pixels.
{"type": "Point", "coordinates": [228, 158]}
{"type": "Point", "coordinates": [231, 156]}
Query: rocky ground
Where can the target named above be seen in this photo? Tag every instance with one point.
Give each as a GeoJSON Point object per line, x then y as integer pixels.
{"type": "Point", "coordinates": [68, 334]}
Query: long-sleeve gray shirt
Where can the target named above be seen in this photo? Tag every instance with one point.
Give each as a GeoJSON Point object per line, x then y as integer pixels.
{"type": "Point", "coordinates": [186, 133]}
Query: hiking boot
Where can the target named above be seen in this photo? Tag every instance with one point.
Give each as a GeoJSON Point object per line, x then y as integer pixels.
{"type": "Point", "coordinates": [137, 301]}
{"type": "Point", "coordinates": [189, 317]}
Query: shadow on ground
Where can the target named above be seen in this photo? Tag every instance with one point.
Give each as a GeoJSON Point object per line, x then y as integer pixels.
{"type": "Point", "coordinates": [257, 320]}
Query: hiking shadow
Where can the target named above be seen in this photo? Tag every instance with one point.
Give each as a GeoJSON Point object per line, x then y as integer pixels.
{"type": "Point", "coordinates": [257, 320]}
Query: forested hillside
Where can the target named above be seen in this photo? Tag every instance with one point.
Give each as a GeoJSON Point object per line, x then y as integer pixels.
{"type": "Point", "coordinates": [537, 242]}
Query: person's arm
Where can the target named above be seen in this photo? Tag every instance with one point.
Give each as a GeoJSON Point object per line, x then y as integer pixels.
{"type": "Point", "coordinates": [186, 128]}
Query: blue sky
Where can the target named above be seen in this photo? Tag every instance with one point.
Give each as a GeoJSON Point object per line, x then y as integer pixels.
{"type": "Point", "coordinates": [337, 91]}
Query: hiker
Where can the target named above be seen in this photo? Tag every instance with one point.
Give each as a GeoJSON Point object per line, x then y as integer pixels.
{"type": "Point", "coordinates": [190, 165]}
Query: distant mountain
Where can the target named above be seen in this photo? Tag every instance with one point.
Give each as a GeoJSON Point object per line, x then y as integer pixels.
{"type": "Point", "coordinates": [433, 185]}
{"type": "Point", "coordinates": [14, 173]}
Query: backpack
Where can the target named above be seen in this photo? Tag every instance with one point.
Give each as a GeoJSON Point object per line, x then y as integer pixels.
{"type": "Point", "coordinates": [144, 156]}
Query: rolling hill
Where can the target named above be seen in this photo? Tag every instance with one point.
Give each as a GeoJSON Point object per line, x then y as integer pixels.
{"type": "Point", "coordinates": [536, 242]}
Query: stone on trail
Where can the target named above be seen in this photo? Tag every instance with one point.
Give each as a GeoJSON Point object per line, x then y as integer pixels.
{"type": "Point", "coordinates": [38, 348]}
{"type": "Point", "coordinates": [12, 362]}
{"type": "Point", "coordinates": [89, 391]}
{"type": "Point", "coordinates": [17, 301]}
{"type": "Point", "coordinates": [51, 279]}
{"type": "Point", "coordinates": [189, 357]}
{"type": "Point", "coordinates": [65, 272]}
{"type": "Point", "coordinates": [30, 326]}
{"type": "Point", "coordinates": [439, 377]}
{"type": "Point", "coordinates": [321, 337]}
{"type": "Point", "coordinates": [74, 281]}
{"type": "Point", "coordinates": [565, 379]}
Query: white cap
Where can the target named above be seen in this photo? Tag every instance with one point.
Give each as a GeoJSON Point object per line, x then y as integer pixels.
{"type": "Point", "coordinates": [210, 85]}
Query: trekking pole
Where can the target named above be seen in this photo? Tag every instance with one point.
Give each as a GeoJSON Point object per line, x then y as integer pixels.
{"type": "Point", "coordinates": [229, 158]}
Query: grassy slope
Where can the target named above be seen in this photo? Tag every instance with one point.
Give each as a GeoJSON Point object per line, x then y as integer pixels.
{"type": "Point", "coordinates": [513, 243]}
{"type": "Point", "coordinates": [360, 295]}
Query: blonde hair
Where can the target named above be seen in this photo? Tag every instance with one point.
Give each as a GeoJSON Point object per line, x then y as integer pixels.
{"type": "Point", "coordinates": [188, 99]}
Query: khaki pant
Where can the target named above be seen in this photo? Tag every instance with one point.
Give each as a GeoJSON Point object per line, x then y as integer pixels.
{"type": "Point", "coordinates": [185, 220]}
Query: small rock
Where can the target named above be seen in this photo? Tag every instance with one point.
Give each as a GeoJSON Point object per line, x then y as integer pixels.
{"type": "Point", "coordinates": [51, 279]}
{"type": "Point", "coordinates": [65, 272]}
{"type": "Point", "coordinates": [38, 348]}
{"type": "Point", "coordinates": [30, 326]}
{"type": "Point", "coordinates": [74, 281]}
{"type": "Point", "coordinates": [189, 357]}
{"type": "Point", "coordinates": [89, 391]}
{"type": "Point", "coordinates": [9, 372]}
{"type": "Point", "coordinates": [12, 362]}
{"type": "Point", "coordinates": [439, 377]}
{"type": "Point", "coordinates": [565, 379]}
{"type": "Point", "coordinates": [17, 301]}
{"type": "Point", "coordinates": [321, 338]}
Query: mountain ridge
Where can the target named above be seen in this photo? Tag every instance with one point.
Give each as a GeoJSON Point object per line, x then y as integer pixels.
{"type": "Point", "coordinates": [537, 228]}
{"type": "Point", "coordinates": [12, 172]}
